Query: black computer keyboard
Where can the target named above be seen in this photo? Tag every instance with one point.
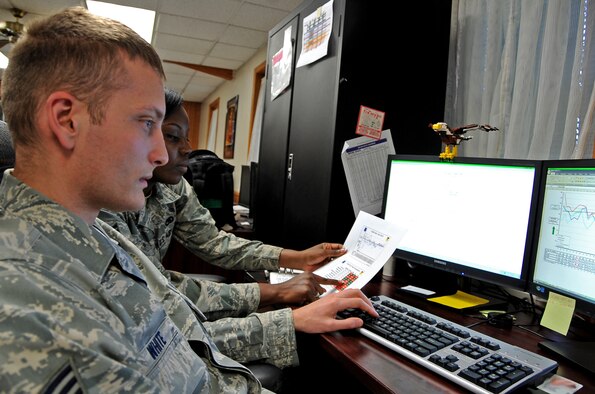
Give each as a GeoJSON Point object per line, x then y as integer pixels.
{"type": "Point", "coordinates": [475, 361]}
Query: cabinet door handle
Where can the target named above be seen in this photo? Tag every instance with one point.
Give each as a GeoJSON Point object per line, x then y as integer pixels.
{"type": "Point", "coordinates": [289, 166]}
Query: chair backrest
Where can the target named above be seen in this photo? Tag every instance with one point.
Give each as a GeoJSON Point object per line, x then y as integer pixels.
{"type": "Point", "coordinates": [212, 180]}
{"type": "Point", "coordinates": [6, 149]}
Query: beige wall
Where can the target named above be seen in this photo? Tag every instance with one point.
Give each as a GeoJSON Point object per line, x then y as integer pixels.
{"type": "Point", "coordinates": [242, 85]}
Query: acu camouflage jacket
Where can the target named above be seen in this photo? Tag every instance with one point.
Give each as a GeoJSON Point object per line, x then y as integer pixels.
{"type": "Point", "coordinates": [76, 311]}
{"type": "Point", "coordinates": [173, 211]}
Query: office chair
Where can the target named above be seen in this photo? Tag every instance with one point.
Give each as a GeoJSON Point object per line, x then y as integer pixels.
{"type": "Point", "coordinates": [270, 377]}
{"type": "Point", "coordinates": [212, 180]}
{"type": "Point", "coordinates": [6, 149]}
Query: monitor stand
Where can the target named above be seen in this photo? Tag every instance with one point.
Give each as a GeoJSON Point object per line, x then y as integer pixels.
{"type": "Point", "coordinates": [494, 302]}
{"type": "Point", "coordinates": [579, 353]}
{"type": "Point", "coordinates": [445, 284]}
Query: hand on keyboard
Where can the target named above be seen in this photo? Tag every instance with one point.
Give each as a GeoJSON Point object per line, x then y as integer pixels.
{"type": "Point", "coordinates": [320, 315]}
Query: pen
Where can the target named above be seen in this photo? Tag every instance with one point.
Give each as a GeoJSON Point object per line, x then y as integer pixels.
{"type": "Point", "coordinates": [285, 270]}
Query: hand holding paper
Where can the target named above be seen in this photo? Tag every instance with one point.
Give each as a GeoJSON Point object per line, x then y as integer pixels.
{"type": "Point", "coordinates": [370, 243]}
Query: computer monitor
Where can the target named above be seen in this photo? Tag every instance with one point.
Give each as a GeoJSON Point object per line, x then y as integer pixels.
{"type": "Point", "coordinates": [472, 217]}
{"type": "Point", "coordinates": [564, 260]}
{"type": "Point", "coordinates": [245, 183]}
{"type": "Point", "coordinates": [564, 251]}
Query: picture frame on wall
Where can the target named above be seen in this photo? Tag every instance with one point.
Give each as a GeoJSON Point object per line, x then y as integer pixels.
{"type": "Point", "coordinates": [230, 127]}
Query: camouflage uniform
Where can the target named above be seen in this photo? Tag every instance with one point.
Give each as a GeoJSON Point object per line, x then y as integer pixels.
{"type": "Point", "coordinates": [174, 211]}
{"type": "Point", "coordinates": [76, 310]}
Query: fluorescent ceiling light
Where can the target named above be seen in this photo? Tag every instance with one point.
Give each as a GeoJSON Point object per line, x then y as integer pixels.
{"type": "Point", "coordinates": [138, 19]}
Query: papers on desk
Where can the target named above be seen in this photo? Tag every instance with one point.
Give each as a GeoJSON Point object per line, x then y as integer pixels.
{"type": "Point", "coordinates": [364, 161]}
{"type": "Point", "coordinates": [557, 384]}
{"type": "Point", "coordinates": [370, 243]}
{"type": "Point", "coordinates": [241, 210]}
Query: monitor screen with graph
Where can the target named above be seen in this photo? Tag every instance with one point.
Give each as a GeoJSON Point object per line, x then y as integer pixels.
{"type": "Point", "coordinates": [564, 257]}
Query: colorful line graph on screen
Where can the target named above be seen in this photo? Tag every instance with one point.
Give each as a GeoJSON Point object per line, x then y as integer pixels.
{"type": "Point", "coordinates": [579, 213]}
{"type": "Point", "coordinates": [572, 215]}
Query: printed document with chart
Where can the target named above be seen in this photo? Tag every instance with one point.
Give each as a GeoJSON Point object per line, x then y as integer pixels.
{"type": "Point", "coordinates": [370, 243]}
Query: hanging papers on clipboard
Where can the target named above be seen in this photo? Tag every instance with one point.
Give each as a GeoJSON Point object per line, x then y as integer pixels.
{"type": "Point", "coordinates": [364, 161]}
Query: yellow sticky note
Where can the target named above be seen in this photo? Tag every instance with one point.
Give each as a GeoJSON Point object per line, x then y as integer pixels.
{"type": "Point", "coordinates": [558, 313]}
{"type": "Point", "coordinates": [459, 300]}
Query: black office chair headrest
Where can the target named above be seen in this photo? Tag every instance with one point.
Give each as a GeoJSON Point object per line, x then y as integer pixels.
{"type": "Point", "coordinates": [6, 149]}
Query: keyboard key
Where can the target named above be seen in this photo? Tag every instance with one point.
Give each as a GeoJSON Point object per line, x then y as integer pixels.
{"type": "Point", "coordinates": [499, 385]}
{"type": "Point", "coordinates": [470, 375]}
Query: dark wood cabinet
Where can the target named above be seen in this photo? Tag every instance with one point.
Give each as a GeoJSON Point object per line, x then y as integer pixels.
{"type": "Point", "coordinates": [374, 59]}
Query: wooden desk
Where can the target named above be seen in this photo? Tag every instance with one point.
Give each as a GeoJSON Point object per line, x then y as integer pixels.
{"type": "Point", "coordinates": [381, 370]}
{"type": "Point", "coordinates": [346, 361]}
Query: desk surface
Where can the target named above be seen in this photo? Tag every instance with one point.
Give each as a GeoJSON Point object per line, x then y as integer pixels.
{"type": "Point", "coordinates": [384, 371]}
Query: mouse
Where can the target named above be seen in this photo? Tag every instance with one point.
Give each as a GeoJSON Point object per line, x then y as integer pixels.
{"type": "Point", "coordinates": [500, 320]}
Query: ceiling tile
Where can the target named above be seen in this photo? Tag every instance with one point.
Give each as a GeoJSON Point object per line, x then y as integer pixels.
{"type": "Point", "coordinates": [197, 93]}
{"type": "Point", "coordinates": [244, 37]}
{"type": "Point", "coordinates": [190, 27]}
{"type": "Point", "coordinates": [174, 69]}
{"type": "Point", "coordinates": [222, 63]}
{"type": "Point", "coordinates": [183, 44]}
{"type": "Point", "coordinates": [211, 10]}
{"type": "Point", "coordinates": [257, 17]}
{"type": "Point", "coordinates": [285, 5]}
{"type": "Point", "coordinates": [232, 52]}
{"type": "Point", "coordinates": [145, 4]}
{"type": "Point", "coordinates": [180, 56]}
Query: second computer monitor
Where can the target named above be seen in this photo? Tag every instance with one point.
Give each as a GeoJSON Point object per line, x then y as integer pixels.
{"type": "Point", "coordinates": [565, 246]}
{"type": "Point", "coordinates": [472, 217]}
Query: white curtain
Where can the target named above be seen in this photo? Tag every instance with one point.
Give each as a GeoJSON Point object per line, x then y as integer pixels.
{"type": "Point", "coordinates": [212, 131]}
{"type": "Point", "coordinates": [526, 67]}
{"type": "Point", "coordinates": [257, 125]}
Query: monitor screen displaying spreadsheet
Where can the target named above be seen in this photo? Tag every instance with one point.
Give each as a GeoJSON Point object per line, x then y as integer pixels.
{"type": "Point", "coordinates": [564, 257]}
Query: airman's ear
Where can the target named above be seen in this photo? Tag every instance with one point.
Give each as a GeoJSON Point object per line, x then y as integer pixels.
{"type": "Point", "coordinates": [62, 110]}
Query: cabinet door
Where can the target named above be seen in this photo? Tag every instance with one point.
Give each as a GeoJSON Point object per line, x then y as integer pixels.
{"type": "Point", "coordinates": [304, 129]}
{"type": "Point", "coordinates": [311, 140]}
{"type": "Point", "coordinates": [270, 191]}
